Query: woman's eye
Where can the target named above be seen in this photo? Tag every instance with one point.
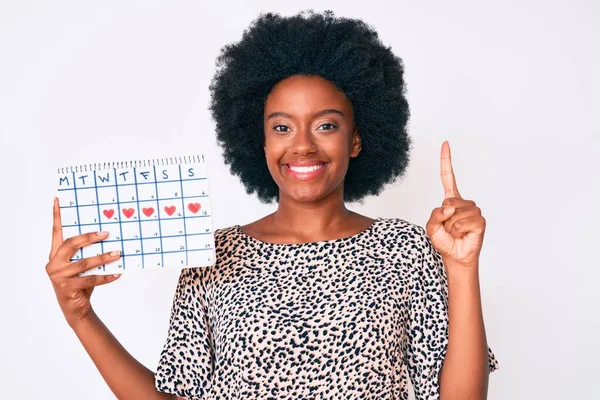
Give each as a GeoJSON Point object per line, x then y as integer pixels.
{"type": "Point", "coordinates": [281, 128]}
{"type": "Point", "coordinates": [327, 127]}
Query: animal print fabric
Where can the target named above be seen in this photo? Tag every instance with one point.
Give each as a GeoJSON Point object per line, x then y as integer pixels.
{"type": "Point", "coordinates": [348, 318]}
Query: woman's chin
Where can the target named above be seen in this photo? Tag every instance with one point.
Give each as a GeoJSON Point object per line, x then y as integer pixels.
{"type": "Point", "coordinates": [306, 194]}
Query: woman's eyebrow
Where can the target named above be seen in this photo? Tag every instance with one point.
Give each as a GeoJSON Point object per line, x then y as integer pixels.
{"type": "Point", "coordinates": [318, 114]}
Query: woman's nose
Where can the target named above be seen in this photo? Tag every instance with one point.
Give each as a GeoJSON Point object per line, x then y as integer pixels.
{"type": "Point", "coordinates": [304, 142]}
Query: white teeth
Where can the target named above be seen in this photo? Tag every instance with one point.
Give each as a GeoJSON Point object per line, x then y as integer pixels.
{"type": "Point", "coordinates": [305, 170]}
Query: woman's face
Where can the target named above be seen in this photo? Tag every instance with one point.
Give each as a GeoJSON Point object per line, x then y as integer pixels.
{"type": "Point", "coordinates": [309, 137]}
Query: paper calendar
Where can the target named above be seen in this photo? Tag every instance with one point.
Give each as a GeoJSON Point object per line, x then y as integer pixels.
{"type": "Point", "coordinates": [156, 212]}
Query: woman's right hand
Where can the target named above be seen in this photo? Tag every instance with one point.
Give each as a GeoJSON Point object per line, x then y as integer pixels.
{"type": "Point", "coordinates": [72, 291]}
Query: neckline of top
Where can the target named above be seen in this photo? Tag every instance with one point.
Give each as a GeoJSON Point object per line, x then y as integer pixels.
{"type": "Point", "coordinates": [365, 231]}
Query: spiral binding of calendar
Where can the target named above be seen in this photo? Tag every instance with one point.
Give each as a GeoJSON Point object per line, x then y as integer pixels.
{"type": "Point", "coordinates": [151, 162]}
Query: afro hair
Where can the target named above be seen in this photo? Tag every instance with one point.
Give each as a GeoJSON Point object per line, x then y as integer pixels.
{"type": "Point", "coordinates": [346, 52]}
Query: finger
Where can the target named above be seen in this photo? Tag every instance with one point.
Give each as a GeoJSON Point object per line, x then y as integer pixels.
{"type": "Point", "coordinates": [458, 203]}
{"type": "Point", "coordinates": [460, 214]}
{"type": "Point", "coordinates": [57, 235]}
{"type": "Point", "coordinates": [438, 217]}
{"type": "Point", "coordinates": [71, 245]}
{"type": "Point", "coordinates": [474, 224]}
{"type": "Point", "coordinates": [90, 281]}
{"type": "Point", "coordinates": [77, 267]}
{"type": "Point", "coordinates": [447, 173]}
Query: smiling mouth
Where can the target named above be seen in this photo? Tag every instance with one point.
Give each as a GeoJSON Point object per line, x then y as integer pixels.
{"type": "Point", "coordinates": [305, 172]}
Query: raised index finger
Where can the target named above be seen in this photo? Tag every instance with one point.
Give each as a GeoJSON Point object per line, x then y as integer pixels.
{"type": "Point", "coordinates": [447, 173]}
{"type": "Point", "coordinates": [57, 234]}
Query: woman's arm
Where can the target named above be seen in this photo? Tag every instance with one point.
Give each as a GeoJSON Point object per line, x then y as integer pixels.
{"type": "Point", "coordinates": [126, 377]}
{"type": "Point", "coordinates": [465, 368]}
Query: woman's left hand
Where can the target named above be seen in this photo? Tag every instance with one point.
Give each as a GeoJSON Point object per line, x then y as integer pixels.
{"type": "Point", "coordinates": [457, 227]}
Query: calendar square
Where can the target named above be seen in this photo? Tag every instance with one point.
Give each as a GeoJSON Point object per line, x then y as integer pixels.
{"type": "Point", "coordinates": [196, 187]}
{"type": "Point", "coordinates": [86, 197]}
{"type": "Point", "coordinates": [127, 193]}
{"type": "Point", "coordinates": [200, 258]}
{"type": "Point", "coordinates": [169, 190]}
{"type": "Point", "coordinates": [169, 209]}
{"type": "Point", "coordinates": [130, 230]}
{"type": "Point", "coordinates": [114, 232]}
{"type": "Point", "coordinates": [69, 216]}
{"type": "Point", "coordinates": [153, 261]}
{"type": "Point", "coordinates": [132, 247]}
{"type": "Point", "coordinates": [156, 212]}
{"type": "Point", "coordinates": [199, 242]}
{"type": "Point", "coordinates": [196, 207]}
{"type": "Point", "coordinates": [134, 262]}
{"type": "Point", "coordinates": [128, 212]}
{"type": "Point", "coordinates": [197, 225]}
{"type": "Point", "coordinates": [172, 227]}
{"type": "Point", "coordinates": [66, 198]}
{"type": "Point", "coordinates": [150, 246]}
{"type": "Point", "coordinates": [148, 210]}
{"type": "Point", "coordinates": [147, 191]}
{"type": "Point", "coordinates": [107, 195]}
{"type": "Point", "coordinates": [176, 259]}
{"type": "Point", "coordinates": [115, 267]}
{"type": "Point", "coordinates": [176, 243]}
{"type": "Point", "coordinates": [108, 213]}
{"type": "Point", "coordinates": [150, 229]}
{"type": "Point", "coordinates": [88, 215]}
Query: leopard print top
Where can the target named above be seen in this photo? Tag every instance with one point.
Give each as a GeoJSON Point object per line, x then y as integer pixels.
{"type": "Point", "coordinates": [348, 318]}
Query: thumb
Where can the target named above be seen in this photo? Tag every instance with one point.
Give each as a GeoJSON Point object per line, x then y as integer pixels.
{"type": "Point", "coordinates": [438, 217]}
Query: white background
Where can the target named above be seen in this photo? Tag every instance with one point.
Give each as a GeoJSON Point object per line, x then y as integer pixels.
{"type": "Point", "coordinates": [510, 85]}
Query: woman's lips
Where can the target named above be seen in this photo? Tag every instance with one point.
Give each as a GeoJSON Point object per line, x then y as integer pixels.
{"type": "Point", "coordinates": [305, 171]}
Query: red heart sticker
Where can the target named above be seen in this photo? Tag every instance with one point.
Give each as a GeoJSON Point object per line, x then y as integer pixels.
{"type": "Point", "coordinates": [128, 212]}
{"type": "Point", "coordinates": [194, 207]}
{"type": "Point", "coordinates": [108, 213]}
{"type": "Point", "coordinates": [170, 210]}
{"type": "Point", "coordinates": [148, 211]}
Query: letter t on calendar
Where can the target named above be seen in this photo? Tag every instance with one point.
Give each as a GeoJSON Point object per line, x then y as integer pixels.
{"type": "Point", "coordinates": [156, 212]}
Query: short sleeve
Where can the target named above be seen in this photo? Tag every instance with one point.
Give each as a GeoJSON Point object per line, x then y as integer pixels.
{"type": "Point", "coordinates": [428, 330]}
{"type": "Point", "coordinates": [186, 362]}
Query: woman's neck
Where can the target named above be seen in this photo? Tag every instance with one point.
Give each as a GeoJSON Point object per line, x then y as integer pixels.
{"type": "Point", "coordinates": [311, 218]}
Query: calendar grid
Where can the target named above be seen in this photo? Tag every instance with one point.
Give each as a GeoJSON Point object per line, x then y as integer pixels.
{"type": "Point", "coordinates": [116, 223]}
{"type": "Point", "coordinates": [99, 219]}
{"type": "Point", "coordinates": [118, 209]}
{"type": "Point", "coordinates": [125, 202]}
{"type": "Point", "coordinates": [80, 251]}
{"type": "Point", "coordinates": [183, 205]}
{"type": "Point", "coordinates": [162, 257]}
{"type": "Point", "coordinates": [156, 212]}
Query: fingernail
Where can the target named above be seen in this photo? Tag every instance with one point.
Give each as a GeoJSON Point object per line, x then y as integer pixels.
{"type": "Point", "coordinates": [101, 233]}
{"type": "Point", "coordinates": [116, 275]}
{"type": "Point", "coordinates": [114, 253]}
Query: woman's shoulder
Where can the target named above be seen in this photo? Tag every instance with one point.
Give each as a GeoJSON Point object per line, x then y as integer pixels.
{"type": "Point", "coordinates": [226, 234]}
{"type": "Point", "coordinates": [398, 226]}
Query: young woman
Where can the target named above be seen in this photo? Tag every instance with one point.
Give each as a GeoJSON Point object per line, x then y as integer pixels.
{"type": "Point", "coordinates": [314, 300]}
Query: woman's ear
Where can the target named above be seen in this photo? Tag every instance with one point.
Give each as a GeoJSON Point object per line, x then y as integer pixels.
{"type": "Point", "coordinates": [356, 144]}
